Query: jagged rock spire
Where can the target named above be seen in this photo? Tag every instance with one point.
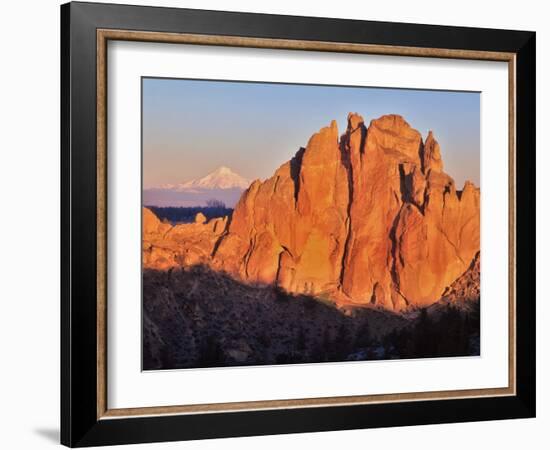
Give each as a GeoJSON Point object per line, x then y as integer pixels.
{"type": "Point", "coordinates": [431, 155]}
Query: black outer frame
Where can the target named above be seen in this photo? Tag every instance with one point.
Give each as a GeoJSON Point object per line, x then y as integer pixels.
{"type": "Point", "coordinates": [79, 423]}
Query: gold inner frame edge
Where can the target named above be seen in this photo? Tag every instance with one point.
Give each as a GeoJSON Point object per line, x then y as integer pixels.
{"type": "Point", "coordinates": [103, 36]}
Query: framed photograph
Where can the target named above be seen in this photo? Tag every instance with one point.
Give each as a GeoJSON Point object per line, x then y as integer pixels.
{"type": "Point", "coordinates": [277, 224]}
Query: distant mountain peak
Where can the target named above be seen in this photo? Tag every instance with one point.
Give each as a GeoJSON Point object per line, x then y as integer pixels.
{"type": "Point", "coordinates": [221, 184]}
{"type": "Point", "coordinates": [221, 178]}
{"type": "Point", "coordinates": [224, 170]}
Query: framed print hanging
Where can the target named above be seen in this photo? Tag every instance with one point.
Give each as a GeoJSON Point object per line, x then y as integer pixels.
{"type": "Point", "coordinates": [277, 224]}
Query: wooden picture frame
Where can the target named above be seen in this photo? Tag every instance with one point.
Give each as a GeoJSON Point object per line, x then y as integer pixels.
{"type": "Point", "coordinates": [86, 418]}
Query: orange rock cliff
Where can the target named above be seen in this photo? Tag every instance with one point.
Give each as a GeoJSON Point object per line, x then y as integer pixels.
{"type": "Point", "coordinates": [368, 217]}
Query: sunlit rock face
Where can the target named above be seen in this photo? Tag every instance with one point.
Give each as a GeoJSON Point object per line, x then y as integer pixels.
{"type": "Point", "coordinates": [368, 217]}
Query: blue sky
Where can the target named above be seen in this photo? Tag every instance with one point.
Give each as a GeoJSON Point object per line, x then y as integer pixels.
{"type": "Point", "coordinates": [191, 127]}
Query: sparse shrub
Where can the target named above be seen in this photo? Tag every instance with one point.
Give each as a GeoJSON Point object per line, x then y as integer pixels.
{"type": "Point", "coordinates": [362, 336]}
{"type": "Point", "coordinates": [215, 203]}
{"type": "Point", "coordinates": [282, 358]}
{"type": "Point", "coordinates": [281, 295]}
{"type": "Point", "coordinates": [264, 340]}
{"type": "Point", "coordinates": [301, 340]}
{"type": "Point", "coordinates": [211, 353]}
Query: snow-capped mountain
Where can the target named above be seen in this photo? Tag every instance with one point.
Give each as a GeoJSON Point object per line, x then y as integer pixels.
{"type": "Point", "coordinates": [221, 178]}
{"type": "Point", "coordinates": [222, 184]}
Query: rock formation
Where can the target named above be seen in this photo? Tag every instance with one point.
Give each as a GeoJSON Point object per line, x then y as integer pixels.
{"type": "Point", "coordinates": [366, 218]}
{"type": "Point", "coordinates": [465, 289]}
{"type": "Point", "coordinates": [165, 246]}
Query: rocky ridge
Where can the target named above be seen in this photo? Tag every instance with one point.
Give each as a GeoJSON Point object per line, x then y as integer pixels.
{"type": "Point", "coordinates": [368, 217]}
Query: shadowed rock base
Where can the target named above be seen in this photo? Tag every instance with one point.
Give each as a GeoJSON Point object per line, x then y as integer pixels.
{"type": "Point", "coordinates": [200, 318]}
